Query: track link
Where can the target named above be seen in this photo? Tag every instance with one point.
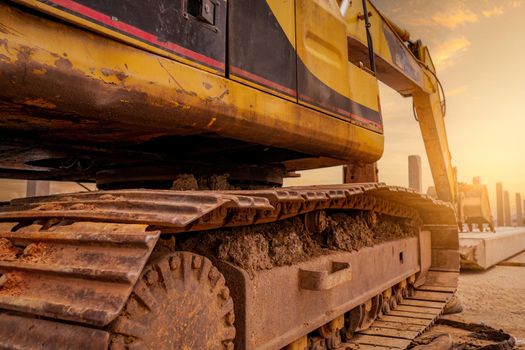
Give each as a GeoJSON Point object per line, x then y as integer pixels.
{"type": "Point", "coordinates": [75, 258]}
{"type": "Point", "coordinates": [412, 317]}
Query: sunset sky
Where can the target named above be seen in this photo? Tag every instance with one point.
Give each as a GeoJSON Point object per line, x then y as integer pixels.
{"type": "Point", "coordinates": [478, 47]}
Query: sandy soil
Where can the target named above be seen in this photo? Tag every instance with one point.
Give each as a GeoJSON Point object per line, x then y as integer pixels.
{"type": "Point", "coordinates": [496, 298]}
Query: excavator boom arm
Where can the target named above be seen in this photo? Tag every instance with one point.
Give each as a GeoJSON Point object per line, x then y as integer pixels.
{"type": "Point", "coordinates": [407, 67]}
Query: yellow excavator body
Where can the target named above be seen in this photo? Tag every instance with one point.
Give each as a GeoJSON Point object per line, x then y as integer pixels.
{"type": "Point", "coordinates": [188, 114]}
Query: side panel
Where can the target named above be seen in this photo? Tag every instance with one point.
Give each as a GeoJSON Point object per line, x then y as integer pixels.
{"type": "Point", "coordinates": [262, 45]}
{"type": "Point", "coordinates": [303, 310]}
{"type": "Point", "coordinates": [326, 80]}
{"type": "Point", "coordinates": [191, 31]}
{"type": "Point", "coordinates": [111, 93]}
{"type": "Point", "coordinates": [396, 65]}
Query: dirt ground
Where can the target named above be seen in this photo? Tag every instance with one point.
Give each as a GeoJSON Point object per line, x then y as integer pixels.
{"type": "Point", "coordinates": [496, 298]}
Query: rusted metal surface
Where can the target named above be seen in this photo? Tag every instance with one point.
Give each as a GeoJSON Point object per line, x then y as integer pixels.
{"type": "Point", "coordinates": [77, 257]}
{"type": "Point", "coordinates": [18, 332]}
{"type": "Point", "coordinates": [356, 173]}
{"type": "Point", "coordinates": [338, 273]}
{"type": "Point", "coordinates": [200, 210]}
{"type": "Point", "coordinates": [425, 258]}
{"type": "Point", "coordinates": [435, 289]}
{"type": "Point", "coordinates": [182, 302]}
{"type": "Point", "coordinates": [304, 310]}
{"type": "Point", "coordinates": [83, 272]}
{"type": "Point", "coordinates": [397, 328]}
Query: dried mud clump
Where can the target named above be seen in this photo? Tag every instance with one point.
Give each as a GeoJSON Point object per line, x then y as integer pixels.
{"type": "Point", "coordinates": [388, 230]}
{"type": "Point", "coordinates": [36, 253]}
{"type": "Point", "coordinates": [187, 182]}
{"type": "Point", "coordinates": [248, 251]}
{"type": "Point", "coordinates": [347, 233]}
{"type": "Point", "coordinates": [8, 251]}
{"type": "Point", "coordinates": [353, 232]}
{"type": "Point", "coordinates": [259, 247]}
{"type": "Point", "coordinates": [288, 242]}
{"type": "Point", "coordinates": [216, 183]}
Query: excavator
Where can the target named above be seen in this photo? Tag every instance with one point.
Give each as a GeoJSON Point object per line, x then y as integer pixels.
{"type": "Point", "coordinates": [188, 115]}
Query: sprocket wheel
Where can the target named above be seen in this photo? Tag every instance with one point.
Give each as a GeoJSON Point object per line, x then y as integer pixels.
{"type": "Point", "coordinates": [180, 302]}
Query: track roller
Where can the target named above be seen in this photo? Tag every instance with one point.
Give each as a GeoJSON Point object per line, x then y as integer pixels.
{"type": "Point", "coordinates": [362, 316]}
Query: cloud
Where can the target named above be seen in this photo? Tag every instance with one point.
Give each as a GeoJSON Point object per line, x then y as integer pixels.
{"type": "Point", "coordinates": [446, 54]}
{"type": "Point", "coordinates": [454, 17]}
{"type": "Point", "coordinates": [495, 11]}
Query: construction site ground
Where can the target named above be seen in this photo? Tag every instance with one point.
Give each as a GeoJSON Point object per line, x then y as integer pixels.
{"type": "Point", "coordinates": [495, 297]}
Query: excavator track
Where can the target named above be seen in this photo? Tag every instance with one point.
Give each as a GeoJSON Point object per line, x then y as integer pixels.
{"type": "Point", "coordinates": [411, 318]}
{"type": "Point", "coordinates": [69, 263]}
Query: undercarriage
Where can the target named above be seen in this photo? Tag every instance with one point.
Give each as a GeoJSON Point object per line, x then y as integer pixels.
{"type": "Point", "coordinates": [354, 264]}
{"type": "Point", "coordinates": [188, 122]}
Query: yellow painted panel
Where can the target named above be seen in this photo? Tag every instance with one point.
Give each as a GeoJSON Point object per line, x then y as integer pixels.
{"type": "Point", "coordinates": [363, 87]}
{"type": "Point", "coordinates": [284, 12]}
{"type": "Point", "coordinates": [321, 42]}
{"type": "Point", "coordinates": [154, 92]}
{"type": "Point", "coordinates": [395, 53]}
{"type": "Point", "coordinates": [51, 10]}
{"type": "Point", "coordinates": [356, 28]}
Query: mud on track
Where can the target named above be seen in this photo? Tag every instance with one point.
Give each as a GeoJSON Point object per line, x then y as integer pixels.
{"type": "Point", "coordinates": [288, 242]}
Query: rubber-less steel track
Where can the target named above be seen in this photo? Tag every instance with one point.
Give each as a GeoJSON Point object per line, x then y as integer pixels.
{"type": "Point", "coordinates": [412, 317]}
{"type": "Point", "coordinates": [70, 262]}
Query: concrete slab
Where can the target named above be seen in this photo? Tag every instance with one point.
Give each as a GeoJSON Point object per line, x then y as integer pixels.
{"type": "Point", "coordinates": [481, 251]}
{"type": "Point", "coordinates": [516, 260]}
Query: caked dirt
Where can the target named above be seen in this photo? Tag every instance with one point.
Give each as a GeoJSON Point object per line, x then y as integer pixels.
{"type": "Point", "coordinates": [8, 252]}
{"type": "Point", "coordinates": [287, 242]}
{"type": "Point", "coordinates": [12, 283]}
{"type": "Point", "coordinates": [33, 253]}
{"type": "Point", "coordinates": [257, 247]}
{"type": "Point", "coordinates": [36, 253]}
{"type": "Point", "coordinates": [187, 182]}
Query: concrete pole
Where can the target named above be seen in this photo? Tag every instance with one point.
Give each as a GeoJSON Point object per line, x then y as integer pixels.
{"type": "Point", "coordinates": [415, 175]}
{"type": "Point", "coordinates": [499, 203]}
{"type": "Point", "coordinates": [37, 188]}
{"type": "Point", "coordinates": [508, 217]}
{"type": "Point", "coordinates": [519, 210]}
{"type": "Point", "coordinates": [356, 173]}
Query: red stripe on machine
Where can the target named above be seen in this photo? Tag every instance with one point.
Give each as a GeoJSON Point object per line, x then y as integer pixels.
{"type": "Point", "coordinates": [139, 33]}
{"type": "Point", "coordinates": [340, 111]}
{"type": "Point", "coordinates": [268, 83]}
